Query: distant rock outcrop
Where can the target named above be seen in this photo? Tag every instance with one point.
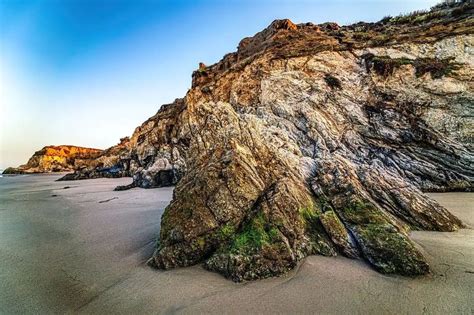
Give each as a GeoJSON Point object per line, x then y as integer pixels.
{"type": "Point", "coordinates": [112, 162]}
{"type": "Point", "coordinates": [314, 139]}
{"type": "Point", "coordinates": [62, 158]}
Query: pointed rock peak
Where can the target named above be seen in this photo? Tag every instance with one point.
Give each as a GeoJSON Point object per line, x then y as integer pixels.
{"type": "Point", "coordinates": [259, 41]}
{"type": "Point", "coordinates": [285, 24]}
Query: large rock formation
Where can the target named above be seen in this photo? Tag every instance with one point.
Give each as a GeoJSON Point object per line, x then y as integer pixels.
{"type": "Point", "coordinates": [315, 139]}
{"type": "Point", "coordinates": [112, 162]}
{"type": "Point", "coordinates": [150, 155]}
{"type": "Point", "coordinates": [62, 158]}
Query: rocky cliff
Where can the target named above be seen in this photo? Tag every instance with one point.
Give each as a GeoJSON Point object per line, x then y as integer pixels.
{"type": "Point", "coordinates": [62, 158]}
{"type": "Point", "coordinates": [315, 139]}
{"type": "Point", "coordinates": [112, 162]}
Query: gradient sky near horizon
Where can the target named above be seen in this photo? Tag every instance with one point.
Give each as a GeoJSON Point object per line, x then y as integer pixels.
{"type": "Point", "coordinates": [88, 72]}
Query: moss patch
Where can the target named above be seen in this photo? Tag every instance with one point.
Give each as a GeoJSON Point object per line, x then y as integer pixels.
{"type": "Point", "coordinates": [338, 234]}
{"type": "Point", "coordinates": [310, 216]}
{"type": "Point", "coordinates": [381, 243]}
{"type": "Point", "coordinates": [226, 232]}
{"type": "Point", "coordinates": [361, 213]}
{"type": "Point", "coordinates": [389, 251]}
{"type": "Point", "coordinates": [333, 225]}
{"type": "Point", "coordinates": [308, 213]}
{"type": "Point", "coordinates": [324, 204]}
{"type": "Point", "coordinates": [254, 235]}
{"type": "Point", "coordinates": [201, 242]}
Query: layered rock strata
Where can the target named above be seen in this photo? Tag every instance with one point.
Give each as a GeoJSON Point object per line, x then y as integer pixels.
{"type": "Point", "coordinates": [315, 139]}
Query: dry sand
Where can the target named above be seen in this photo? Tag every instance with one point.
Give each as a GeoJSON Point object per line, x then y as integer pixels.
{"type": "Point", "coordinates": [82, 250]}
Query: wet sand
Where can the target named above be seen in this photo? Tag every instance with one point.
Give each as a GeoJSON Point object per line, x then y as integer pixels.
{"type": "Point", "coordinates": [82, 250]}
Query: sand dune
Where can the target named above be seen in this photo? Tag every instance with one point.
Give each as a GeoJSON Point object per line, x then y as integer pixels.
{"type": "Point", "coordinates": [82, 250]}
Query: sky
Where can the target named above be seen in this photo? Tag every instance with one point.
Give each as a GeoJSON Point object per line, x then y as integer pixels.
{"type": "Point", "coordinates": [87, 72]}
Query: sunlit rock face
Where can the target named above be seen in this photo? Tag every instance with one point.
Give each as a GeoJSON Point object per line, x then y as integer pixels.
{"type": "Point", "coordinates": [315, 139]}
{"type": "Point", "coordinates": [62, 158]}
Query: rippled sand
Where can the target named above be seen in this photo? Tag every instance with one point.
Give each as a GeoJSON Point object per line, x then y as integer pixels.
{"type": "Point", "coordinates": [82, 250]}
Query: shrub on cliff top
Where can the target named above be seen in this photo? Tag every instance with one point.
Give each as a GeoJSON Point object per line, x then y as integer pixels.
{"type": "Point", "coordinates": [385, 66]}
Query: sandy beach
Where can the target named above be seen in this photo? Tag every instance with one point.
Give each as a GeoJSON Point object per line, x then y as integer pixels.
{"type": "Point", "coordinates": [80, 247]}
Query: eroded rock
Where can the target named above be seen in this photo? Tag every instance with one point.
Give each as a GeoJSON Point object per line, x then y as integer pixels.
{"type": "Point", "coordinates": [315, 139]}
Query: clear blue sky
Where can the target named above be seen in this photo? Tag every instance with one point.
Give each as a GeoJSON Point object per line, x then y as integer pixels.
{"type": "Point", "coordinates": [88, 72]}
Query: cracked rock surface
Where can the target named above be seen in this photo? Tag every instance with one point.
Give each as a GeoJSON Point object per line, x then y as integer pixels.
{"type": "Point", "coordinates": [315, 139]}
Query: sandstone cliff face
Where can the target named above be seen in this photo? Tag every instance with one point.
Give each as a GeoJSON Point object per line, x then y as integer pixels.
{"type": "Point", "coordinates": [62, 158]}
{"type": "Point", "coordinates": [315, 139]}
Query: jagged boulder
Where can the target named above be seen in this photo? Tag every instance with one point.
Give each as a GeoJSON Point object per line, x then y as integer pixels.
{"type": "Point", "coordinates": [296, 151]}
{"type": "Point", "coordinates": [316, 139]}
